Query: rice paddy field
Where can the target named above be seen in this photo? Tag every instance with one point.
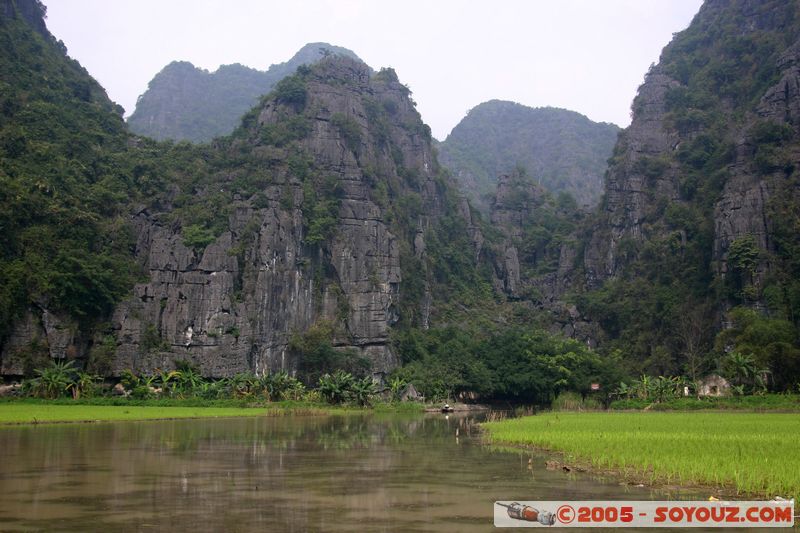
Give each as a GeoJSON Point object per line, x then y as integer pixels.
{"type": "Point", "coordinates": [755, 454]}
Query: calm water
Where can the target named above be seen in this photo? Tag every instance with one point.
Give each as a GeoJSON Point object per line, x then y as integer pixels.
{"type": "Point", "coordinates": [347, 473]}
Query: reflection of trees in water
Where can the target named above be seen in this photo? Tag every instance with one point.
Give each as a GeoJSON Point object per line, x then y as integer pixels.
{"type": "Point", "coordinates": [223, 473]}
{"type": "Point", "coordinates": [348, 435]}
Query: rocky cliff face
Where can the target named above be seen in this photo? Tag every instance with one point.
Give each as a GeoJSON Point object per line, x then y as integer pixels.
{"type": "Point", "coordinates": [232, 312]}
{"type": "Point", "coordinates": [534, 258]}
{"type": "Point", "coordinates": [628, 202]}
{"type": "Point", "coordinates": [322, 209]}
{"type": "Point", "coordinates": [763, 167]}
{"type": "Point", "coordinates": [700, 209]}
{"type": "Point", "coordinates": [685, 141]}
{"type": "Point", "coordinates": [515, 203]}
{"type": "Point", "coordinates": [183, 102]}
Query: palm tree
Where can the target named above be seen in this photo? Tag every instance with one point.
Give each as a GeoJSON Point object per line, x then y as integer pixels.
{"type": "Point", "coordinates": [741, 369]}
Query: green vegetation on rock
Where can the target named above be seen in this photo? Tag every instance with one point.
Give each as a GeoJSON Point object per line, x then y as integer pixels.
{"type": "Point", "coordinates": [65, 180]}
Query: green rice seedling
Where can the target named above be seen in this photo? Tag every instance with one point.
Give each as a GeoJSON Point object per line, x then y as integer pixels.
{"type": "Point", "coordinates": [751, 453]}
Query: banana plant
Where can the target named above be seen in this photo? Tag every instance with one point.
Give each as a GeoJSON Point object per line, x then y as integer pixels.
{"type": "Point", "coordinates": [294, 390]}
{"type": "Point", "coordinates": [624, 390]}
{"type": "Point", "coordinates": [243, 385]}
{"type": "Point", "coordinates": [644, 387]}
{"type": "Point", "coordinates": [85, 385]}
{"type": "Point", "coordinates": [396, 386]}
{"type": "Point", "coordinates": [167, 381]}
{"type": "Point", "coordinates": [336, 387]}
{"type": "Point", "coordinates": [53, 381]}
{"type": "Point", "coordinates": [362, 391]}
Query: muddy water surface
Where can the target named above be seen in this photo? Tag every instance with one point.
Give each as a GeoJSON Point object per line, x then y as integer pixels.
{"type": "Point", "coordinates": [294, 473]}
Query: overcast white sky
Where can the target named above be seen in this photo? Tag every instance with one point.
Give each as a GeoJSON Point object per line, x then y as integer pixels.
{"type": "Point", "coordinates": [584, 55]}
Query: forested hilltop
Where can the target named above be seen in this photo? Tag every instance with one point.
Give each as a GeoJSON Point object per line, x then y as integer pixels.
{"type": "Point", "coordinates": [186, 103]}
{"type": "Point", "coordinates": [323, 233]}
{"type": "Point", "coordinates": [563, 150]}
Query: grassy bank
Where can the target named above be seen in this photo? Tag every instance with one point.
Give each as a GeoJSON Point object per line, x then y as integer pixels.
{"type": "Point", "coordinates": [28, 411]}
{"type": "Point", "coordinates": [763, 402]}
{"type": "Point", "coordinates": [748, 453]}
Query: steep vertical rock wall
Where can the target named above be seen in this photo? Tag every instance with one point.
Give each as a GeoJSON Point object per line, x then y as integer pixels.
{"type": "Point", "coordinates": [652, 159]}
{"type": "Point", "coordinates": [231, 312]}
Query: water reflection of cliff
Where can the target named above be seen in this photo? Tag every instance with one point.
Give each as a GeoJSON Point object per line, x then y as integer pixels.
{"type": "Point", "coordinates": [224, 474]}
{"type": "Point", "coordinates": [365, 473]}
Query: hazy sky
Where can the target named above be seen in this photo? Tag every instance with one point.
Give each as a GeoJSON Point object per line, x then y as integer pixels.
{"type": "Point", "coordinates": [584, 55]}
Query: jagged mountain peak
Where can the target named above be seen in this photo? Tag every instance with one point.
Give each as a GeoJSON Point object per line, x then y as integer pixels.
{"type": "Point", "coordinates": [313, 52]}
{"type": "Point", "coordinates": [31, 11]}
{"type": "Point", "coordinates": [184, 102]}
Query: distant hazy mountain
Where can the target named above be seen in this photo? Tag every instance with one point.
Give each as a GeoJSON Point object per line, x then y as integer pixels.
{"type": "Point", "coordinates": [562, 150]}
{"type": "Point", "coordinates": [183, 102]}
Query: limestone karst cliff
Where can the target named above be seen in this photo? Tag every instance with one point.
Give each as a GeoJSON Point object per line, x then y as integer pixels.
{"type": "Point", "coordinates": [313, 212]}
{"type": "Point", "coordinates": [697, 129]}
{"type": "Point", "coordinates": [234, 312]}
{"type": "Point", "coordinates": [700, 207]}
{"type": "Point", "coordinates": [325, 214]}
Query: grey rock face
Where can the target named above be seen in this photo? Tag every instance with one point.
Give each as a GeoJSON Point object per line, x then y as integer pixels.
{"type": "Point", "coordinates": [782, 102]}
{"type": "Point", "coordinates": [628, 190]}
{"type": "Point", "coordinates": [514, 208]}
{"type": "Point", "coordinates": [744, 207]}
{"type": "Point", "coordinates": [233, 312]}
{"type": "Point", "coordinates": [630, 209]}
{"type": "Point", "coordinates": [514, 203]}
{"type": "Point", "coordinates": [39, 336]}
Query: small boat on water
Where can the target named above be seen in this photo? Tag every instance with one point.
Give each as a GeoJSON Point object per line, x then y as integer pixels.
{"type": "Point", "coordinates": [447, 409]}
